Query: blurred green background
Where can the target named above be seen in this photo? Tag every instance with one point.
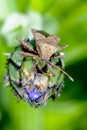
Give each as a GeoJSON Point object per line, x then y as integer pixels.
{"type": "Point", "coordinates": [68, 20]}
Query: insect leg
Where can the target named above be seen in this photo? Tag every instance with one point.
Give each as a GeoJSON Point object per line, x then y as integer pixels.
{"type": "Point", "coordinates": [26, 54]}
{"type": "Point", "coordinates": [35, 64]}
{"type": "Point", "coordinates": [25, 45]}
{"type": "Point", "coordinates": [50, 68]}
{"type": "Point", "coordinates": [57, 57]}
{"type": "Point", "coordinates": [62, 70]}
{"type": "Point", "coordinates": [62, 47]}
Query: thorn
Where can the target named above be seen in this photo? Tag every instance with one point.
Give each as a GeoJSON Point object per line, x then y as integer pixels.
{"type": "Point", "coordinates": [7, 54]}
{"type": "Point", "coordinates": [6, 84]}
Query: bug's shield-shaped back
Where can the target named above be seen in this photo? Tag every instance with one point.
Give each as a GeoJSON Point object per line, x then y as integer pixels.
{"type": "Point", "coordinates": [46, 44]}
{"type": "Point", "coordinates": [45, 50]}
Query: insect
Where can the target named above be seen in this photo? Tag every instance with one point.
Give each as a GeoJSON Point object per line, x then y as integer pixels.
{"type": "Point", "coordinates": [35, 69]}
{"type": "Point", "coordinates": [46, 46]}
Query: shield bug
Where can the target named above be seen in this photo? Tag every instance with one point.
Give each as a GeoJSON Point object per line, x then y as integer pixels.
{"type": "Point", "coordinates": [35, 70]}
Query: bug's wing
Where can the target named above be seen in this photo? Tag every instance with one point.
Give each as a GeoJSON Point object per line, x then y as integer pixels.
{"type": "Point", "coordinates": [45, 50]}
{"type": "Point", "coordinates": [46, 44]}
{"type": "Point", "coordinates": [38, 35]}
{"type": "Point", "coordinates": [52, 39]}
